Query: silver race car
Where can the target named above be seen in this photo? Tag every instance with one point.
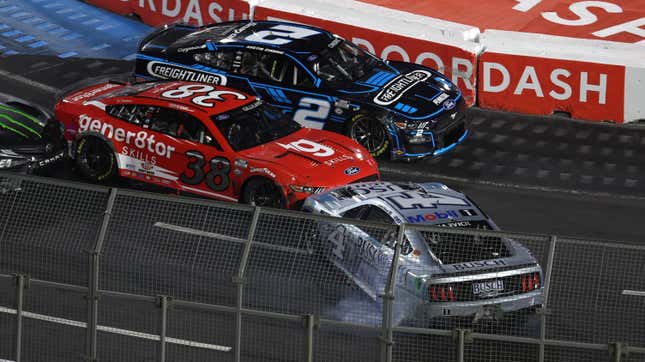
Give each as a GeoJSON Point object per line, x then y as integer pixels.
{"type": "Point", "coordinates": [461, 273]}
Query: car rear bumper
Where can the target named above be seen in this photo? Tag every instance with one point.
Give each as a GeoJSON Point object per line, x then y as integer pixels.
{"type": "Point", "coordinates": [481, 308]}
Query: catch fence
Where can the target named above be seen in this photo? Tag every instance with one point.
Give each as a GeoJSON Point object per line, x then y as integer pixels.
{"type": "Point", "coordinates": [91, 273]}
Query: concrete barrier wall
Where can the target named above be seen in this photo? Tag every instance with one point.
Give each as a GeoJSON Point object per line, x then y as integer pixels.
{"type": "Point", "coordinates": [532, 73]}
{"type": "Point", "coordinates": [540, 74]}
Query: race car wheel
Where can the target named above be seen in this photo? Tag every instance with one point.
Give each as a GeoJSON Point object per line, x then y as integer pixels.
{"type": "Point", "coordinates": [263, 192]}
{"type": "Point", "coordinates": [370, 133]}
{"type": "Point", "coordinates": [95, 159]}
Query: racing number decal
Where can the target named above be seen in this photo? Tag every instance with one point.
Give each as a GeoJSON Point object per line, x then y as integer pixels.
{"type": "Point", "coordinates": [189, 90]}
{"type": "Point", "coordinates": [307, 146]}
{"type": "Point", "coordinates": [312, 113]}
{"type": "Point", "coordinates": [281, 34]}
{"type": "Point", "coordinates": [217, 178]}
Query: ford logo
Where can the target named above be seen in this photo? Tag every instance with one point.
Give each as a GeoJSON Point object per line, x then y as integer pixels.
{"type": "Point", "coordinates": [352, 171]}
{"type": "Point", "coordinates": [449, 104]}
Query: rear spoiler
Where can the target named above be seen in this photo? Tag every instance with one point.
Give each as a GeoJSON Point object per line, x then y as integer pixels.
{"type": "Point", "coordinates": [160, 39]}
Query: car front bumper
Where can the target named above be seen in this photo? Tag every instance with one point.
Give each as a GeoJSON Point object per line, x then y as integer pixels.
{"type": "Point", "coordinates": [409, 145]}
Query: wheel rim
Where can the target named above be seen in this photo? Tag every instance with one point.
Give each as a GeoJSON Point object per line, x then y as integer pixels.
{"type": "Point", "coordinates": [369, 133]}
{"type": "Point", "coordinates": [96, 157]}
{"type": "Point", "coordinates": [266, 195]}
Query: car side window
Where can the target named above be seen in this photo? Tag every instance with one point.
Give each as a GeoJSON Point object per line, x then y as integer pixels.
{"type": "Point", "coordinates": [266, 66]}
{"type": "Point", "coordinates": [355, 213]}
{"type": "Point", "coordinates": [182, 125]}
{"type": "Point", "coordinates": [172, 122]}
{"type": "Point", "coordinates": [387, 237]}
{"type": "Point", "coordinates": [375, 213]}
{"type": "Point", "coordinates": [300, 78]}
{"type": "Point", "coordinates": [138, 115]}
{"type": "Point", "coordinates": [221, 59]}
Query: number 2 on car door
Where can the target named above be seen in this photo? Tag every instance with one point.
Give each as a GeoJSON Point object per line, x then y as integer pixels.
{"type": "Point", "coordinates": [312, 113]}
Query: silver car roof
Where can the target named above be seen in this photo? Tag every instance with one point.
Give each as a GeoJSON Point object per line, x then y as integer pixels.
{"type": "Point", "coordinates": [414, 203]}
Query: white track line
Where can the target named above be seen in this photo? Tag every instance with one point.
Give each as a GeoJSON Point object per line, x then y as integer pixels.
{"type": "Point", "coordinates": [208, 234]}
{"type": "Point", "coordinates": [120, 331]}
{"type": "Point", "coordinates": [637, 293]}
{"type": "Point", "coordinates": [27, 81]}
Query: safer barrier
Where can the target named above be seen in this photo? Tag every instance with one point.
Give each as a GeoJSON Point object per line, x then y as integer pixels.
{"type": "Point", "coordinates": [91, 273]}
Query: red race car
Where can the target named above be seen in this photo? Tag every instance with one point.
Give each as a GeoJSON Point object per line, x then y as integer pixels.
{"type": "Point", "coordinates": [207, 140]}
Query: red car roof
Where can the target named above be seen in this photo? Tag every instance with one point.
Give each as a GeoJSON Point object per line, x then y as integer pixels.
{"type": "Point", "coordinates": [188, 96]}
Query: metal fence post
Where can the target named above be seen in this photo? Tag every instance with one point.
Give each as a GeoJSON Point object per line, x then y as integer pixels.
{"type": "Point", "coordinates": [163, 304]}
{"type": "Point", "coordinates": [310, 323]}
{"type": "Point", "coordinates": [618, 351]}
{"type": "Point", "coordinates": [462, 336]}
{"type": "Point", "coordinates": [21, 282]}
{"type": "Point", "coordinates": [547, 284]}
{"type": "Point", "coordinates": [239, 280]}
{"type": "Point", "coordinates": [93, 280]}
{"type": "Point", "coordinates": [387, 339]}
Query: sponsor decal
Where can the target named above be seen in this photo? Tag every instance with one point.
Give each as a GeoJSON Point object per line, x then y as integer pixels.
{"type": "Point", "coordinates": [420, 218]}
{"type": "Point", "coordinates": [308, 146]}
{"type": "Point", "coordinates": [469, 224]}
{"type": "Point", "coordinates": [251, 106]}
{"type": "Point", "coordinates": [147, 166]}
{"type": "Point", "coordinates": [338, 159]}
{"type": "Point", "coordinates": [189, 49]}
{"type": "Point", "coordinates": [440, 98]}
{"type": "Point", "coordinates": [241, 163]}
{"type": "Point", "coordinates": [52, 159]}
{"type": "Point", "coordinates": [141, 140]}
{"type": "Point", "coordinates": [449, 104]}
{"type": "Point", "coordinates": [399, 85]}
{"type": "Point", "coordinates": [479, 264]}
{"type": "Point", "coordinates": [263, 170]}
{"type": "Point", "coordinates": [488, 288]}
{"type": "Point", "coordinates": [468, 212]}
{"type": "Point", "coordinates": [531, 84]}
{"type": "Point", "coordinates": [352, 171]}
{"type": "Point", "coordinates": [170, 71]}
{"type": "Point", "coordinates": [5, 163]}
{"type": "Point", "coordinates": [93, 92]}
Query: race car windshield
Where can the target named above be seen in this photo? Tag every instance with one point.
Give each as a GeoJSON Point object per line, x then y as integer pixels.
{"type": "Point", "coordinates": [253, 125]}
{"type": "Point", "coordinates": [343, 62]}
{"type": "Point", "coordinates": [128, 90]}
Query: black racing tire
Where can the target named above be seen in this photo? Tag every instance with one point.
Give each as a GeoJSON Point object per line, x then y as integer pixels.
{"type": "Point", "coordinates": [95, 159]}
{"type": "Point", "coordinates": [369, 133]}
{"type": "Point", "coordinates": [263, 192]}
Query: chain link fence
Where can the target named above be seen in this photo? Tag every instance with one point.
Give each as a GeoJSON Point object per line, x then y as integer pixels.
{"type": "Point", "coordinates": [97, 274]}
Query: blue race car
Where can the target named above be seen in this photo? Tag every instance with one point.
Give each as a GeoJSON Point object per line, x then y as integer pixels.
{"type": "Point", "coordinates": [326, 82]}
